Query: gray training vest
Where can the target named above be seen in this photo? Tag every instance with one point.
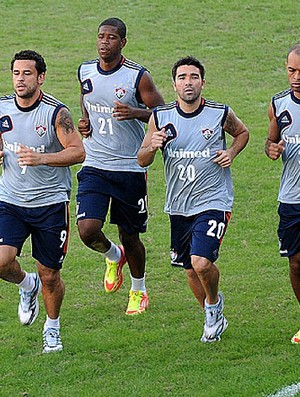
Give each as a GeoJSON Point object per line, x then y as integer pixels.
{"type": "Point", "coordinates": [31, 186]}
{"type": "Point", "coordinates": [194, 183]}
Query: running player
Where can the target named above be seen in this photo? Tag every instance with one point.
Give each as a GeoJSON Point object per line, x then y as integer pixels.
{"type": "Point", "coordinates": [116, 97]}
{"type": "Point", "coordinates": [39, 142]}
{"type": "Point", "coordinates": [199, 197]}
{"type": "Point", "coordinates": [284, 140]}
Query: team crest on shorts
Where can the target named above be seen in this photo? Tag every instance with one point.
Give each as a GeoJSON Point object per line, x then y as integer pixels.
{"type": "Point", "coordinates": [207, 133]}
{"type": "Point", "coordinates": [41, 130]}
{"type": "Point", "coordinates": [120, 92]}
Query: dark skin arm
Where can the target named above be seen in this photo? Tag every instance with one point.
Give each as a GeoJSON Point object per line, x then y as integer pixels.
{"type": "Point", "coordinates": [274, 145]}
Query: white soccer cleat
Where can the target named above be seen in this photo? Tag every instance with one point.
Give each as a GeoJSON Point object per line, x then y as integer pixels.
{"type": "Point", "coordinates": [215, 322]}
{"type": "Point", "coordinates": [28, 309]}
{"type": "Point", "coordinates": [51, 340]}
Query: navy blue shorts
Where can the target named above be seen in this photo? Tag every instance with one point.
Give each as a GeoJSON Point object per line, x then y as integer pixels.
{"type": "Point", "coordinates": [124, 192]}
{"type": "Point", "coordinates": [199, 235]}
{"type": "Point", "coordinates": [48, 227]}
{"type": "Point", "coordinates": [289, 229]}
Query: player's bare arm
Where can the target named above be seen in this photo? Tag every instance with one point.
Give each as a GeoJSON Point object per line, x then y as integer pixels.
{"type": "Point", "coordinates": [237, 129]}
{"type": "Point", "coordinates": [69, 138]}
{"type": "Point", "coordinates": [149, 96]}
{"type": "Point", "coordinates": [153, 141]}
{"type": "Point", "coordinates": [274, 146]}
{"type": "Point", "coordinates": [84, 126]}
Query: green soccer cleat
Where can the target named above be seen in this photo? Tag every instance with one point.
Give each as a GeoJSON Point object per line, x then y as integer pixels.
{"type": "Point", "coordinates": [113, 278]}
{"type": "Point", "coordinates": [138, 302]}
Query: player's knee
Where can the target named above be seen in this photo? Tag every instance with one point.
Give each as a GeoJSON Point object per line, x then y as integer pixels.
{"type": "Point", "coordinates": [50, 279]}
{"type": "Point", "coordinates": [87, 235]}
{"type": "Point", "coordinates": [201, 265]}
{"type": "Point", "coordinates": [131, 242]}
{"type": "Point", "coordinates": [295, 264]}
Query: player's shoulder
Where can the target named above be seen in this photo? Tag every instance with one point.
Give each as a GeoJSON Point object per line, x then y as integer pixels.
{"type": "Point", "coordinates": [282, 94]}
{"type": "Point", "coordinates": [6, 98]}
{"type": "Point", "coordinates": [51, 100]}
{"type": "Point", "coordinates": [213, 104]}
{"type": "Point", "coordinates": [90, 63]}
{"type": "Point", "coordinates": [129, 64]}
{"type": "Point", "coordinates": [166, 107]}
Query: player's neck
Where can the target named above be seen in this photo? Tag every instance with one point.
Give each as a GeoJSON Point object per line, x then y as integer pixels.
{"type": "Point", "coordinates": [189, 107]}
{"type": "Point", "coordinates": [107, 66]}
{"type": "Point", "coordinates": [28, 102]}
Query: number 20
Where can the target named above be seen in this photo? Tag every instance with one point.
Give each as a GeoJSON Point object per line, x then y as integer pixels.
{"type": "Point", "coordinates": [216, 229]}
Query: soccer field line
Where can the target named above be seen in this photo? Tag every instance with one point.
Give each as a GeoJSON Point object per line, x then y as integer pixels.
{"type": "Point", "coordinates": [288, 391]}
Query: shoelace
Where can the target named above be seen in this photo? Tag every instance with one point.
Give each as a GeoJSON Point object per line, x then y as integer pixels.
{"type": "Point", "coordinates": [112, 269]}
{"type": "Point", "coordinates": [51, 336]}
{"type": "Point", "coordinates": [25, 299]}
{"type": "Point", "coordinates": [134, 301]}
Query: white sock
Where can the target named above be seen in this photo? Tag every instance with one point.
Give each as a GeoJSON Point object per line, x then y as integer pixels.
{"type": "Point", "coordinates": [114, 253]}
{"type": "Point", "coordinates": [211, 307]}
{"type": "Point", "coordinates": [52, 323]}
{"type": "Point", "coordinates": [138, 284]}
{"type": "Point", "coordinates": [27, 283]}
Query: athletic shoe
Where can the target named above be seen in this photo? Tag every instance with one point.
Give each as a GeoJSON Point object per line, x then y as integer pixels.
{"type": "Point", "coordinates": [51, 340]}
{"type": "Point", "coordinates": [138, 302]}
{"type": "Point", "coordinates": [296, 338]}
{"type": "Point", "coordinates": [215, 322]}
{"type": "Point", "coordinates": [28, 309]}
{"type": "Point", "coordinates": [113, 278]}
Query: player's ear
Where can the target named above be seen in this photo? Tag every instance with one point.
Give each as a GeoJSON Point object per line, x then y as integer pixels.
{"type": "Point", "coordinates": [203, 83]}
{"type": "Point", "coordinates": [174, 85]}
{"type": "Point", "coordinates": [123, 42]}
{"type": "Point", "coordinates": [41, 78]}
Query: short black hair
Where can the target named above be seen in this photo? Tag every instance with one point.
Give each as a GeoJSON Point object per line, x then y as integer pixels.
{"type": "Point", "coordinates": [118, 23]}
{"type": "Point", "coordinates": [31, 56]}
{"type": "Point", "coordinates": [295, 48]}
{"type": "Point", "coordinates": [189, 60]}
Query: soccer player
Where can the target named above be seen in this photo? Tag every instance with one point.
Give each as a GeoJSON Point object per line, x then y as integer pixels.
{"type": "Point", "coordinates": [39, 142]}
{"type": "Point", "coordinates": [117, 96]}
{"type": "Point", "coordinates": [284, 141]}
{"type": "Point", "coordinates": [199, 197]}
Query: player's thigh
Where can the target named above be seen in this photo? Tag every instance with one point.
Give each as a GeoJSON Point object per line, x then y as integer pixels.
{"type": "Point", "coordinates": [129, 203]}
{"type": "Point", "coordinates": [50, 235]}
{"type": "Point", "coordinates": [181, 229]}
{"type": "Point", "coordinates": [14, 229]}
{"type": "Point", "coordinates": [207, 233]}
{"type": "Point", "coordinates": [92, 206]}
{"type": "Point", "coordinates": [289, 229]}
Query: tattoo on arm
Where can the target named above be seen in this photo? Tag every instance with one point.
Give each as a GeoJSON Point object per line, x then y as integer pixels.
{"type": "Point", "coordinates": [65, 121]}
{"type": "Point", "coordinates": [231, 123]}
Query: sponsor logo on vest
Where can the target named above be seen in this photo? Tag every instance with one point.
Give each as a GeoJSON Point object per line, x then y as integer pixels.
{"type": "Point", "coordinates": [188, 154]}
{"type": "Point", "coordinates": [291, 139]}
{"type": "Point", "coordinates": [14, 147]}
{"type": "Point", "coordinates": [96, 107]}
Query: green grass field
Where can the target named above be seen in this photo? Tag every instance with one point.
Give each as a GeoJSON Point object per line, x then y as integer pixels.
{"type": "Point", "coordinates": [243, 45]}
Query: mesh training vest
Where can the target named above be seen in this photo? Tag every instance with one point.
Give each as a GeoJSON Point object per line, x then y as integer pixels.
{"type": "Point", "coordinates": [194, 183]}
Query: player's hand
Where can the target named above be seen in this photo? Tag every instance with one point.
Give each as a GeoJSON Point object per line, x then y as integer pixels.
{"type": "Point", "coordinates": [158, 139]}
{"type": "Point", "coordinates": [223, 159]}
{"type": "Point", "coordinates": [84, 127]}
{"type": "Point", "coordinates": [28, 157]}
{"type": "Point", "coordinates": [275, 149]}
{"type": "Point", "coordinates": [122, 111]}
{"type": "Point", "coordinates": [1, 156]}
